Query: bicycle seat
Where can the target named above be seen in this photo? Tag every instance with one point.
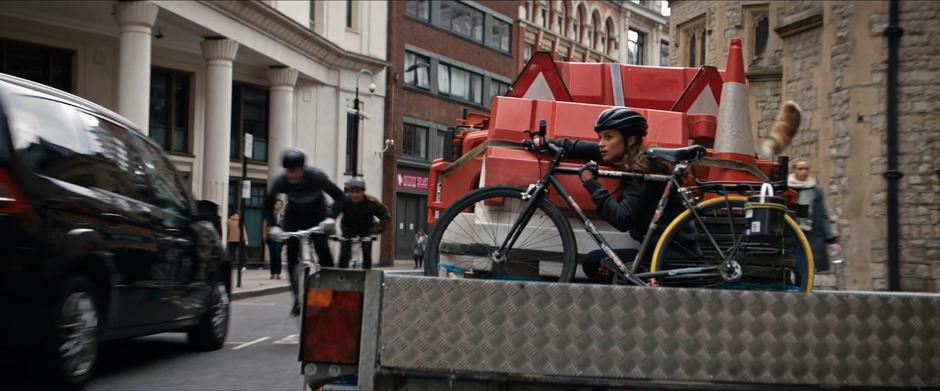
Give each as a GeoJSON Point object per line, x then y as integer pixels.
{"type": "Point", "coordinates": [676, 155]}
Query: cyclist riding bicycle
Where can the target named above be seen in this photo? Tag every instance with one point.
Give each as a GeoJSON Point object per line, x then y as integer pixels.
{"type": "Point", "coordinates": [306, 208]}
{"type": "Point", "coordinates": [359, 214]}
{"type": "Point", "coordinates": [620, 134]}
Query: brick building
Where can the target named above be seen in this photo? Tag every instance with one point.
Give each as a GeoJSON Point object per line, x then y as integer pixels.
{"type": "Point", "coordinates": [832, 59]}
{"type": "Point", "coordinates": [445, 57]}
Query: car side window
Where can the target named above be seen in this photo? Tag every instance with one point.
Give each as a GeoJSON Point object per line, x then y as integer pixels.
{"type": "Point", "coordinates": [169, 192]}
{"type": "Point", "coordinates": [116, 167]}
{"type": "Point", "coordinates": [48, 140]}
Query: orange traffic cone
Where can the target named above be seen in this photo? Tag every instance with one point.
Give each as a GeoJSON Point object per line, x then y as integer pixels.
{"type": "Point", "coordinates": [734, 139]}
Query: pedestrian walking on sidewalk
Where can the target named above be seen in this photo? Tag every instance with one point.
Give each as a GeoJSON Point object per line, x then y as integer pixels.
{"type": "Point", "coordinates": [421, 242]}
{"type": "Point", "coordinates": [812, 214]}
{"type": "Point", "coordinates": [275, 247]}
{"type": "Point", "coordinates": [233, 244]}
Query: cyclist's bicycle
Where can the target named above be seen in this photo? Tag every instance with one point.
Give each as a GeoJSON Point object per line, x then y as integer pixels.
{"type": "Point", "coordinates": [508, 232]}
{"type": "Point", "coordinates": [355, 258]}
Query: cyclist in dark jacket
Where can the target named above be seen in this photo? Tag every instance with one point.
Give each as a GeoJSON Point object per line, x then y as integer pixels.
{"type": "Point", "coordinates": [620, 132]}
{"type": "Point", "coordinates": [306, 208]}
{"type": "Point", "coordinates": [359, 214]}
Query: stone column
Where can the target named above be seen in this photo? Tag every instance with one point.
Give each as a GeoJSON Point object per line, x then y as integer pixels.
{"type": "Point", "coordinates": [281, 119]}
{"type": "Point", "coordinates": [219, 54]}
{"type": "Point", "coordinates": [136, 18]}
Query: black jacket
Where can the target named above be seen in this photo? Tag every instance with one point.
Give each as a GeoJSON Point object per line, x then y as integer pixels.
{"type": "Point", "coordinates": [358, 218]}
{"type": "Point", "coordinates": [306, 204]}
{"type": "Point", "coordinates": [639, 199]}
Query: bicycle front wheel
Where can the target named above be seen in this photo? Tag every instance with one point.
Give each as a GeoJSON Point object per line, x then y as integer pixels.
{"type": "Point", "coordinates": [781, 263]}
{"type": "Point", "coordinates": [467, 239]}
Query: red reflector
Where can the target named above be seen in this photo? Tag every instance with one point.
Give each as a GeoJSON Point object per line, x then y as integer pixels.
{"type": "Point", "coordinates": [11, 201]}
{"type": "Point", "coordinates": [332, 326]}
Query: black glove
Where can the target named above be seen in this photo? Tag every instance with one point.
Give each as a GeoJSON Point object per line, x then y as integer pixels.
{"type": "Point", "coordinates": [588, 172]}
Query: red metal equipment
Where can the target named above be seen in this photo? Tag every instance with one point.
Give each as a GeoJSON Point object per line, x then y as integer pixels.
{"type": "Point", "coordinates": [681, 106]}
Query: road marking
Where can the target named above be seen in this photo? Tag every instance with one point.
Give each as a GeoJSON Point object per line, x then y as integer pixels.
{"type": "Point", "coordinates": [249, 303]}
{"type": "Point", "coordinates": [288, 340]}
{"type": "Point", "coordinates": [251, 343]}
{"type": "Point", "coordinates": [234, 342]}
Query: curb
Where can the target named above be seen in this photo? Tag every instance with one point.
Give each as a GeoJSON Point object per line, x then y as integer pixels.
{"type": "Point", "coordinates": [258, 292]}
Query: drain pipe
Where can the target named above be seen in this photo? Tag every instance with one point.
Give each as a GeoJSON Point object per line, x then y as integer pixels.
{"type": "Point", "coordinates": [892, 175]}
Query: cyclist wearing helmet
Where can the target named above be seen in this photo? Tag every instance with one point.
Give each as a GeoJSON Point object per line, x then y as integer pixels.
{"type": "Point", "coordinates": [306, 207]}
{"type": "Point", "coordinates": [620, 133]}
{"type": "Point", "coordinates": [359, 214]}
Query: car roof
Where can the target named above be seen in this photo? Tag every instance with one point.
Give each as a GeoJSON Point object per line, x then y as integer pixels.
{"type": "Point", "coordinates": [27, 87]}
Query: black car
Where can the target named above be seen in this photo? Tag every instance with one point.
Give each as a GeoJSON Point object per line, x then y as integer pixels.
{"type": "Point", "coordinates": [99, 238]}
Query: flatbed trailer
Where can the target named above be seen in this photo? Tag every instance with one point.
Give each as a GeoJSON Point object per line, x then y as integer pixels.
{"type": "Point", "coordinates": [407, 332]}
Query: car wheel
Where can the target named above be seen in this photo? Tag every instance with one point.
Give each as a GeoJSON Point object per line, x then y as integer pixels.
{"type": "Point", "coordinates": [73, 349]}
{"type": "Point", "coordinates": [212, 329]}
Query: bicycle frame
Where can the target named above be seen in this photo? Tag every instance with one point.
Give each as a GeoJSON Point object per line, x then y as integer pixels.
{"type": "Point", "coordinates": [539, 190]}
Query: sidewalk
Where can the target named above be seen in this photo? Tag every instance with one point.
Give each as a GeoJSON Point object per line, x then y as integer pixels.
{"type": "Point", "coordinates": [256, 282]}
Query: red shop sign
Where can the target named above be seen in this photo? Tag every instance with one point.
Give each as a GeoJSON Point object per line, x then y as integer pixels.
{"type": "Point", "coordinates": [412, 181]}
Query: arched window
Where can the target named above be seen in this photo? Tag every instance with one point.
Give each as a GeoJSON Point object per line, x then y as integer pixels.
{"type": "Point", "coordinates": [761, 34]}
{"type": "Point", "coordinates": [582, 15]}
{"type": "Point", "coordinates": [611, 37]}
{"type": "Point", "coordinates": [692, 41]}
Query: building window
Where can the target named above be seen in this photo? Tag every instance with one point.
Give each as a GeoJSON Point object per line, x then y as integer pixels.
{"type": "Point", "coordinates": [419, 8]}
{"type": "Point", "coordinates": [497, 88]}
{"type": "Point", "coordinates": [525, 10]}
{"type": "Point", "coordinates": [636, 43]}
{"type": "Point", "coordinates": [169, 109]}
{"type": "Point", "coordinates": [544, 17]}
{"type": "Point", "coordinates": [527, 52]}
{"type": "Point", "coordinates": [663, 53]}
{"type": "Point", "coordinates": [349, 13]}
{"type": "Point", "coordinates": [560, 24]}
{"type": "Point", "coordinates": [692, 43]}
{"type": "Point", "coordinates": [500, 35]}
{"type": "Point", "coordinates": [462, 19]}
{"type": "Point", "coordinates": [459, 83]}
{"type": "Point", "coordinates": [353, 126]}
{"type": "Point", "coordinates": [415, 142]}
{"type": "Point", "coordinates": [590, 37]}
{"type": "Point", "coordinates": [417, 76]}
{"type": "Point", "coordinates": [701, 48]}
{"type": "Point", "coordinates": [761, 34]}
{"type": "Point", "coordinates": [249, 116]}
{"type": "Point", "coordinates": [41, 64]}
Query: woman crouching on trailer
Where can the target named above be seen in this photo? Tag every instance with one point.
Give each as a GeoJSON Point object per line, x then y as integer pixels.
{"type": "Point", "coordinates": [620, 133]}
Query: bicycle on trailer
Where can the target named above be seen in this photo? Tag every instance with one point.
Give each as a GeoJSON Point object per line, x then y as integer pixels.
{"type": "Point", "coordinates": [510, 232]}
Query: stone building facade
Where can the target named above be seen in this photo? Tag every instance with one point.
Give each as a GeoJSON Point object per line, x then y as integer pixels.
{"type": "Point", "coordinates": [630, 32]}
{"type": "Point", "coordinates": [831, 58]}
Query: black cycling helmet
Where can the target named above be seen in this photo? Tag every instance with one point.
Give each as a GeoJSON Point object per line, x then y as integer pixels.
{"type": "Point", "coordinates": [623, 120]}
{"type": "Point", "coordinates": [293, 158]}
{"type": "Point", "coordinates": [355, 183]}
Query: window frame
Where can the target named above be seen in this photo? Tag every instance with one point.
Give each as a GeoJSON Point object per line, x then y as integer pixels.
{"type": "Point", "coordinates": [240, 148]}
{"type": "Point", "coordinates": [639, 44]}
{"type": "Point", "coordinates": [51, 57]}
{"type": "Point", "coordinates": [173, 76]}
{"type": "Point", "coordinates": [471, 75]}
{"type": "Point", "coordinates": [407, 141]}
{"type": "Point", "coordinates": [412, 9]}
{"type": "Point", "coordinates": [427, 70]}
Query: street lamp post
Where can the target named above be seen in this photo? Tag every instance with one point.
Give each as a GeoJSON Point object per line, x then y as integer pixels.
{"type": "Point", "coordinates": [354, 164]}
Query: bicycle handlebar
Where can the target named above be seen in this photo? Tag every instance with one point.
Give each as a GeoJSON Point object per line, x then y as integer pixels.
{"type": "Point", "coordinates": [354, 239]}
{"type": "Point", "coordinates": [278, 235]}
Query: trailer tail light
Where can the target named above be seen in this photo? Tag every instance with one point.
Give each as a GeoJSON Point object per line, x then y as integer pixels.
{"type": "Point", "coordinates": [332, 325]}
{"type": "Point", "coordinates": [11, 200]}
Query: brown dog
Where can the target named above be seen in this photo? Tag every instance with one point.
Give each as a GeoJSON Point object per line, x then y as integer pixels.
{"type": "Point", "coordinates": [782, 133]}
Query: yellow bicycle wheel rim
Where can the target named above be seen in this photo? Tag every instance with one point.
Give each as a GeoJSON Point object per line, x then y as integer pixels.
{"type": "Point", "coordinates": [811, 266]}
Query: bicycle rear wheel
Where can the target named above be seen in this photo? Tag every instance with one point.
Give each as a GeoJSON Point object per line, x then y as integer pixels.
{"type": "Point", "coordinates": [784, 263]}
{"type": "Point", "coordinates": [468, 235]}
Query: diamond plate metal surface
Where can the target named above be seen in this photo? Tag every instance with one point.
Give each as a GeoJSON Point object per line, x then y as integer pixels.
{"type": "Point", "coordinates": [534, 330]}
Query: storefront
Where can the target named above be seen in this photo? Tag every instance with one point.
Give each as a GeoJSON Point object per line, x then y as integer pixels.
{"type": "Point", "coordinates": [411, 209]}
